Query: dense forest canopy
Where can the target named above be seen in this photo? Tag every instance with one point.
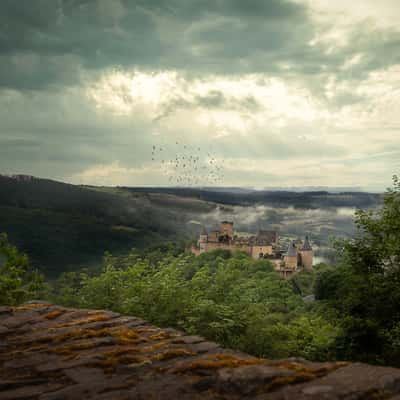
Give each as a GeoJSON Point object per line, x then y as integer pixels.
{"type": "Point", "coordinates": [242, 303]}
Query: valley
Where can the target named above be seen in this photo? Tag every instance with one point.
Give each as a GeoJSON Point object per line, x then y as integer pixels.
{"type": "Point", "coordinates": [64, 227]}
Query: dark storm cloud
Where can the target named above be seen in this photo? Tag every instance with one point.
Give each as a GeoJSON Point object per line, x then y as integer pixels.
{"type": "Point", "coordinates": [45, 42]}
{"type": "Point", "coordinates": [192, 10]}
{"type": "Point", "coordinates": [50, 42]}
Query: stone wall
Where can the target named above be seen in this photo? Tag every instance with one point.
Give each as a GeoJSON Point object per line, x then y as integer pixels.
{"type": "Point", "coordinates": [210, 246]}
{"type": "Point", "coordinates": [54, 353]}
{"type": "Point", "coordinates": [226, 228]}
{"type": "Point", "coordinates": [290, 262]}
{"type": "Point", "coordinates": [256, 250]}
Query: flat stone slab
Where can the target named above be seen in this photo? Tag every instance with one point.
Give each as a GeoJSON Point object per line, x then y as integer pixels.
{"type": "Point", "coordinates": [49, 352]}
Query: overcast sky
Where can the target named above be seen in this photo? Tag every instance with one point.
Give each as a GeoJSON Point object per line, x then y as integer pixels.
{"type": "Point", "coordinates": [285, 92]}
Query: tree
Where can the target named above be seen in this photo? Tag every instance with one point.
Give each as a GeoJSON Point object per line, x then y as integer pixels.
{"type": "Point", "coordinates": [365, 289]}
{"type": "Point", "coordinates": [227, 297]}
{"type": "Point", "coordinates": [377, 248]}
{"type": "Point", "coordinates": [18, 281]}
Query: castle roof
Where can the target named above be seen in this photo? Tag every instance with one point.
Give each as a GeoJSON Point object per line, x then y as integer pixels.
{"type": "Point", "coordinates": [203, 231]}
{"type": "Point", "coordinates": [292, 250]}
{"type": "Point", "coordinates": [306, 245]}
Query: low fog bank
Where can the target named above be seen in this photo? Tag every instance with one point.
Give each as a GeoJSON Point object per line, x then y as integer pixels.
{"type": "Point", "coordinates": [288, 221]}
{"type": "Point", "coordinates": [187, 215]}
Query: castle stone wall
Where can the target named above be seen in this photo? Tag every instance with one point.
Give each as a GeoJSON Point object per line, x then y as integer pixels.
{"type": "Point", "coordinates": [225, 246]}
{"type": "Point", "coordinates": [291, 262]}
{"type": "Point", "coordinates": [226, 228]}
{"type": "Point", "coordinates": [307, 257]}
{"type": "Point", "coordinates": [257, 250]}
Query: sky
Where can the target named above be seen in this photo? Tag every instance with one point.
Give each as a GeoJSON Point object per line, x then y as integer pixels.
{"type": "Point", "coordinates": [275, 92]}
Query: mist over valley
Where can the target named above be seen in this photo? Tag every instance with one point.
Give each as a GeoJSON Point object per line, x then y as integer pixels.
{"type": "Point", "coordinates": [67, 227]}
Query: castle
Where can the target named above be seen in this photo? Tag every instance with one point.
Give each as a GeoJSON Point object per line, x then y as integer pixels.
{"type": "Point", "coordinates": [298, 257]}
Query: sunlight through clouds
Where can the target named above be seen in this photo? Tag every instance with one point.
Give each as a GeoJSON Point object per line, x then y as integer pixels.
{"type": "Point", "coordinates": [284, 90]}
{"type": "Point", "coordinates": [227, 104]}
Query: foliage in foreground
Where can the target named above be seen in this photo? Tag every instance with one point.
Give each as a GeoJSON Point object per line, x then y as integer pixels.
{"type": "Point", "coordinates": [364, 290]}
{"type": "Point", "coordinates": [232, 299]}
{"type": "Point", "coordinates": [18, 281]}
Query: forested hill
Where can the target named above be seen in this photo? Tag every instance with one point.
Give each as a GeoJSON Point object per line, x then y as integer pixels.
{"type": "Point", "coordinates": [66, 227]}
{"type": "Point", "coordinates": [281, 198]}
{"type": "Point", "coordinates": [62, 226]}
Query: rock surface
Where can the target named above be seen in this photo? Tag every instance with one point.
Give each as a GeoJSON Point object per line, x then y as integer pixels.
{"type": "Point", "coordinates": [49, 353]}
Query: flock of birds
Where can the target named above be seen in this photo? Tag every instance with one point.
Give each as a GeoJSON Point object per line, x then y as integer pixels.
{"type": "Point", "coordinates": [189, 166]}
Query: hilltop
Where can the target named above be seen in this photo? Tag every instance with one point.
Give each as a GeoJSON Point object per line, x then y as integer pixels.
{"type": "Point", "coordinates": [281, 198]}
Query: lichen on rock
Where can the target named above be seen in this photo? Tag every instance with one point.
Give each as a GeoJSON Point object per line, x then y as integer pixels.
{"type": "Point", "coordinates": [50, 352]}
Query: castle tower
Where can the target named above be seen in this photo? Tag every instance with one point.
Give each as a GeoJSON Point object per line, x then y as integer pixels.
{"type": "Point", "coordinates": [203, 240]}
{"type": "Point", "coordinates": [226, 228]}
{"type": "Point", "coordinates": [307, 255]}
{"type": "Point", "coordinates": [290, 258]}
